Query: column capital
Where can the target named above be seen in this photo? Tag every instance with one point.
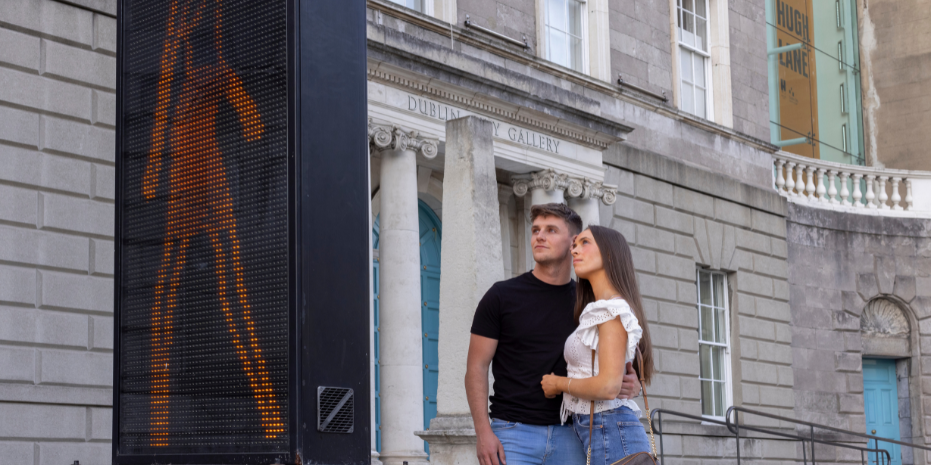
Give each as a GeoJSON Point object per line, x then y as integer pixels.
{"type": "Point", "coordinates": [390, 137]}
{"type": "Point", "coordinates": [587, 189]}
{"type": "Point", "coordinates": [547, 180]}
{"type": "Point", "coordinates": [573, 187]}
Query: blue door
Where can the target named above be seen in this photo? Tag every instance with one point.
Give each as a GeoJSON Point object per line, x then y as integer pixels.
{"type": "Point", "coordinates": [376, 274]}
{"type": "Point", "coordinates": [881, 405]}
{"type": "Point", "coordinates": [430, 309]}
{"type": "Point", "coordinates": [430, 239]}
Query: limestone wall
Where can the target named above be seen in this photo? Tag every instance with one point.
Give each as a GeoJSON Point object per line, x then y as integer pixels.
{"type": "Point", "coordinates": [678, 219]}
{"type": "Point", "coordinates": [57, 119]}
{"type": "Point", "coordinates": [837, 264]}
{"type": "Point", "coordinates": [895, 54]}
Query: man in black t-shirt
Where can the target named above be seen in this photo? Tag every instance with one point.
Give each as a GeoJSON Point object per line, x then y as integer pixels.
{"type": "Point", "coordinates": [521, 325]}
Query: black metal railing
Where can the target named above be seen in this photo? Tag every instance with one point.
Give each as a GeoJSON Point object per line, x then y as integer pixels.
{"type": "Point", "coordinates": [733, 427]}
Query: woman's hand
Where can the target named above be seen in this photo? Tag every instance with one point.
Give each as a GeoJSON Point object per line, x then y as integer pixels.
{"type": "Point", "coordinates": [551, 385]}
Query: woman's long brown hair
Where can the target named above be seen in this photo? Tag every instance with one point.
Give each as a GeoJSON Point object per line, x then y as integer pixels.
{"type": "Point", "coordinates": [619, 268]}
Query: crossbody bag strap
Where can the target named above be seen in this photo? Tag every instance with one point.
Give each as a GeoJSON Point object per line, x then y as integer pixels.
{"type": "Point", "coordinates": [591, 418]}
{"type": "Point", "coordinates": [646, 402]}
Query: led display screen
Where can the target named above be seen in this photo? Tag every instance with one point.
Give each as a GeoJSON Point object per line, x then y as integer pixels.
{"type": "Point", "coordinates": [203, 364]}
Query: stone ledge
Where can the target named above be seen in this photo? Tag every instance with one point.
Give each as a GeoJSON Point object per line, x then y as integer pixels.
{"type": "Point", "coordinates": [106, 7]}
{"type": "Point", "coordinates": [701, 180]}
{"type": "Point", "coordinates": [865, 224]}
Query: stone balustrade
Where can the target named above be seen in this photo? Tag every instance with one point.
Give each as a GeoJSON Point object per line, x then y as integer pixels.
{"type": "Point", "coordinates": [857, 189]}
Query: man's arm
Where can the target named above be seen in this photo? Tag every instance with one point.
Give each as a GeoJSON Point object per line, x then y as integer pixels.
{"type": "Point", "coordinates": [630, 388]}
{"type": "Point", "coordinates": [481, 351]}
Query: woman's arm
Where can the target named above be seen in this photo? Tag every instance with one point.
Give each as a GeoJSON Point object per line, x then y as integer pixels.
{"type": "Point", "coordinates": [612, 345]}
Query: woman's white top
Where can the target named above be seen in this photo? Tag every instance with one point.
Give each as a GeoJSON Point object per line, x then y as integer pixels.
{"type": "Point", "coordinates": [578, 353]}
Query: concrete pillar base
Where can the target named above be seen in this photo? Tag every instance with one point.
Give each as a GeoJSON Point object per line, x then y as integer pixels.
{"type": "Point", "coordinates": [375, 456]}
{"type": "Point", "coordinates": [410, 457]}
{"type": "Point", "coordinates": [452, 440]}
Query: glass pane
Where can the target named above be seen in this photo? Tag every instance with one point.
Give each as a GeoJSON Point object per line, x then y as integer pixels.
{"type": "Point", "coordinates": [717, 362]}
{"type": "Point", "coordinates": [700, 8]}
{"type": "Point", "coordinates": [576, 53]}
{"type": "Point", "coordinates": [416, 5]}
{"type": "Point", "coordinates": [699, 70]}
{"type": "Point", "coordinates": [719, 399]}
{"type": "Point", "coordinates": [704, 356]}
{"type": "Point", "coordinates": [706, 323]}
{"type": "Point", "coordinates": [688, 100]}
{"type": "Point", "coordinates": [720, 326]}
{"type": "Point", "coordinates": [575, 18]}
{"type": "Point", "coordinates": [558, 51]}
{"type": "Point", "coordinates": [704, 287]}
{"type": "Point", "coordinates": [707, 398]}
{"type": "Point", "coordinates": [701, 34]}
{"type": "Point", "coordinates": [556, 14]}
{"type": "Point", "coordinates": [718, 290]}
{"type": "Point", "coordinates": [688, 5]}
{"type": "Point", "coordinates": [688, 29]}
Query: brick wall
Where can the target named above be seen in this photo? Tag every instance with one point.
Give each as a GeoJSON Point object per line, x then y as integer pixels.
{"type": "Point", "coordinates": [57, 107]}
{"type": "Point", "coordinates": [677, 219]}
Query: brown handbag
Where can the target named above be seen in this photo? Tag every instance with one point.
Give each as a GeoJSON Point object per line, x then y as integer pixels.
{"type": "Point", "coordinates": [640, 458]}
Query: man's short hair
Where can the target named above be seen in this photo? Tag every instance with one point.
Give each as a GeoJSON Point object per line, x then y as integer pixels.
{"type": "Point", "coordinates": [559, 210]}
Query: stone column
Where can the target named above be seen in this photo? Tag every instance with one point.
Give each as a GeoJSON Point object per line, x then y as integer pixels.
{"type": "Point", "coordinates": [471, 263]}
{"type": "Point", "coordinates": [399, 259]}
{"type": "Point", "coordinates": [504, 197]}
{"type": "Point", "coordinates": [584, 195]}
{"type": "Point", "coordinates": [545, 186]}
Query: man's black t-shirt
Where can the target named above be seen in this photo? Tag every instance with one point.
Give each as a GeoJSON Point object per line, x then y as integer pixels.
{"type": "Point", "coordinates": [531, 321]}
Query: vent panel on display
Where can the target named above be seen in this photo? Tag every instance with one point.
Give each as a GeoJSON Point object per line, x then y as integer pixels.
{"type": "Point", "coordinates": [204, 228]}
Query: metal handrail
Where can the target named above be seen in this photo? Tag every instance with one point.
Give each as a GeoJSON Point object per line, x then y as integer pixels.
{"type": "Point", "coordinates": [469, 24]}
{"type": "Point", "coordinates": [815, 425]}
{"type": "Point", "coordinates": [883, 456]}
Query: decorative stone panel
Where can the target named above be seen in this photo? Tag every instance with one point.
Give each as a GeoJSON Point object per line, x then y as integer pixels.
{"type": "Point", "coordinates": [885, 329]}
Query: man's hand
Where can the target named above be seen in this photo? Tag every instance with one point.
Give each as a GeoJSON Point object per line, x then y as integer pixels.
{"type": "Point", "coordinates": [550, 385]}
{"type": "Point", "coordinates": [630, 387]}
{"type": "Point", "coordinates": [489, 449]}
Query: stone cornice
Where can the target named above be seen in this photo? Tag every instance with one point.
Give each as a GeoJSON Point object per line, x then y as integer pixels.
{"type": "Point", "coordinates": [383, 137]}
{"type": "Point", "coordinates": [573, 187]}
{"type": "Point", "coordinates": [489, 106]}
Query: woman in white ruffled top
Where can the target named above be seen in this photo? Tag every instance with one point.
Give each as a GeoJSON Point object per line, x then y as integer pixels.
{"type": "Point", "coordinates": [609, 312]}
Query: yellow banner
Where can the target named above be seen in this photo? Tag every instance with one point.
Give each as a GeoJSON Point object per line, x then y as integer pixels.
{"type": "Point", "coordinates": [798, 99]}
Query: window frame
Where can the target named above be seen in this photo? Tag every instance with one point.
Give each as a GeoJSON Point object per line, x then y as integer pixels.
{"type": "Point", "coordinates": [544, 37]}
{"type": "Point", "coordinates": [706, 60]}
{"type": "Point", "coordinates": [726, 359]}
{"type": "Point", "coordinates": [426, 6]}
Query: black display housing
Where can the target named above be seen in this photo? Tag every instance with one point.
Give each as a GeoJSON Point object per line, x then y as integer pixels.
{"type": "Point", "coordinates": [242, 231]}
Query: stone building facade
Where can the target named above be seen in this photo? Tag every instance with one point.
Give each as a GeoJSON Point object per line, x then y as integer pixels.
{"type": "Point", "coordinates": [467, 130]}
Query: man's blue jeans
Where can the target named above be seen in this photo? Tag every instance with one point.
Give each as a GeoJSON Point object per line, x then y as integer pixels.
{"type": "Point", "coordinates": [538, 445]}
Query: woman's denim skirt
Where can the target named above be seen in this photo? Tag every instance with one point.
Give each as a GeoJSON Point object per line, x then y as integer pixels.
{"type": "Point", "coordinates": [617, 433]}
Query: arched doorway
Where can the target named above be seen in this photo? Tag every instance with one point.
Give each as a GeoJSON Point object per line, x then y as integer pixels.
{"type": "Point", "coordinates": [430, 246]}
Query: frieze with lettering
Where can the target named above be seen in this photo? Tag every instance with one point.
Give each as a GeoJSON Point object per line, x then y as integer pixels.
{"type": "Point", "coordinates": [502, 130]}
